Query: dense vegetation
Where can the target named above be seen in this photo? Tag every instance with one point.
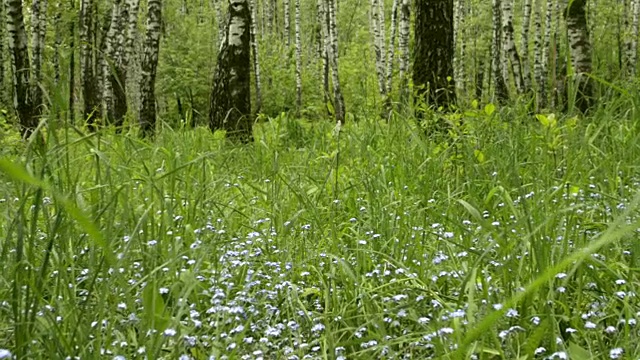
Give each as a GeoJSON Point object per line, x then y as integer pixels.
{"type": "Point", "coordinates": [502, 227]}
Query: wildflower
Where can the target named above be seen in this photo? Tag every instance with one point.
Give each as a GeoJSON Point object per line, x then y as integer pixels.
{"type": "Point", "coordinates": [170, 332]}
{"type": "Point", "coordinates": [561, 276]}
{"type": "Point", "coordinates": [616, 353]}
{"type": "Point", "coordinates": [539, 351]}
{"type": "Point", "coordinates": [512, 313]}
{"type": "Point", "coordinates": [317, 328]}
{"type": "Point", "coordinates": [589, 325]}
{"type": "Point", "coordinates": [5, 354]}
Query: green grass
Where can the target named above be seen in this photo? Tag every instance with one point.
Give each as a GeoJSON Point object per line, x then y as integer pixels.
{"type": "Point", "coordinates": [505, 235]}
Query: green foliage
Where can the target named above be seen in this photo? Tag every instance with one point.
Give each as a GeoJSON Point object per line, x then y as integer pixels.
{"type": "Point", "coordinates": [367, 239]}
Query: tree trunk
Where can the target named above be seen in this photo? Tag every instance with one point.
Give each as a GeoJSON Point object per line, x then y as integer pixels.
{"type": "Point", "coordinates": [121, 54]}
{"type": "Point", "coordinates": [632, 44]}
{"type": "Point", "coordinates": [510, 50]}
{"type": "Point", "coordinates": [580, 53]}
{"type": "Point", "coordinates": [149, 66]}
{"type": "Point", "coordinates": [433, 53]}
{"type": "Point", "coordinates": [38, 33]}
{"type": "Point", "coordinates": [460, 39]}
{"type": "Point", "coordinates": [377, 42]}
{"type": "Point", "coordinates": [231, 93]}
{"type": "Point", "coordinates": [539, 62]}
{"type": "Point", "coordinates": [20, 64]}
{"type": "Point", "coordinates": [256, 56]}
{"type": "Point", "coordinates": [403, 43]}
{"type": "Point", "coordinates": [298, 59]}
{"type": "Point", "coordinates": [501, 92]}
{"type": "Point", "coordinates": [109, 55]}
{"type": "Point", "coordinates": [324, 30]}
{"type": "Point", "coordinates": [72, 66]}
{"type": "Point", "coordinates": [287, 32]}
{"type": "Point", "coordinates": [3, 90]}
{"type": "Point", "coordinates": [524, 47]}
{"type": "Point", "coordinates": [57, 44]}
{"type": "Point", "coordinates": [339, 109]}
{"type": "Point", "coordinates": [88, 74]}
{"type": "Point", "coordinates": [546, 47]}
{"type": "Point", "coordinates": [392, 44]}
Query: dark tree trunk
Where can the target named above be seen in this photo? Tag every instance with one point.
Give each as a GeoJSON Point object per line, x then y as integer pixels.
{"type": "Point", "coordinates": [87, 58]}
{"type": "Point", "coordinates": [23, 100]}
{"type": "Point", "coordinates": [149, 66]}
{"type": "Point", "coordinates": [580, 53]}
{"type": "Point", "coordinates": [231, 93]}
{"type": "Point", "coordinates": [434, 50]}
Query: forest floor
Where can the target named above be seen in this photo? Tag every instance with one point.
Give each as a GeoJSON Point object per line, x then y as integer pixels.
{"type": "Point", "coordinates": [495, 239]}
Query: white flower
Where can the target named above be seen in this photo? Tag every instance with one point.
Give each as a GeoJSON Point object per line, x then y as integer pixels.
{"type": "Point", "coordinates": [616, 353]}
{"type": "Point", "coordinates": [561, 276]}
{"type": "Point", "coordinates": [5, 354]}
{"type": "Point", "coordinates": [610, 329]}
{"type": "Point", "coordinates": [170, 332]}
{"type": "Point", "coordinates": [589, 325]}
{"type": "Point", "coordinates": [539, 351]}
{"type": "Point", "coordinates": [512, 313]}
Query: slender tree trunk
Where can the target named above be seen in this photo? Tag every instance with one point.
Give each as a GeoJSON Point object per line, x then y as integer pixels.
{"type": "Point", "coordinates": [109, 56]}
{"type": "Point", "coordinates": [256, 56]}
{"type": "Point", "coordinates": [221, 23]}
{"type": "Point", "coordinates": [392, 45]}
{"type": "Point", "coordinates": [433, 53]}
{"type": "Point", "coordinates": [580, 46]}
{"type": "Point", "coordinates": [546, 47]}
{"type": "Point", "coordinates": [89, 78]}
{"type": "Point", "coordinates": [3, 90]}
{"type": "Point", "coordinates": [403, 43]}
{"type": "Point", "coordinates": [510, 50]}
{"type": "Point", "coordinates": [231, 93]}
{"type": "Point", "coordinates": [149, 66]}
{"type": "Point", "coordinates": [323, 19]}
{"type": "Point", "coordinates": [39, 30]}
{"type": "Point", "coordinates": [298, 59]}
{"type": "Point", "coordinates": [383, 35]}
{"type": "Point", "coordinates": [632, 43]}
{"type": "Point", "coordinates": [460, 73]}
{"type": "Point", "coordinates": [57, 44]}
{"type": "Point", "coordinates": [377, 42]}
{"type": "Point", "coordinates": [287, 32]}
{"type": "Point", "coordinates": [524, 48]}
{"type": "Point", "coordinates": [501, 92]}
{"type": "Point", "coordinates": [339, 108]}
{"type": "Point", "coordinates": [539, 62]}
{"type": "Point", "coordinates": [72, 65]}
{"type": "Point", "coordinates": [121, 63]}
{"type": "Point", "coordinates": [20, 64]}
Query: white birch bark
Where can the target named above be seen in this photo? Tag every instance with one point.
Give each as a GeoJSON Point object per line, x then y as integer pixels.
{"type": "Point", "coordinates": [323, 20]}
{"type": "Point", "coordinates": [392, 44]}
{"type": "Point", "coordinates": [580, 48]}
{"type": "Point", "coordinates": [403, 43]}
{"type": "Point", "coordinates": [377, 42]}
{"type": "Point", "coordinates": [524, 47]}
{"type": "Point", "coordinates": [333, 56]}
{"type": "Point", "coordinates": [287, 31]}
{"type": "Point", "coordinates": [546, 47]}
{"type": "Point", "coordinates": [632, 46]}
{"type": "Point", "coordinates": [510, 50]}
{"type": "Point", "coordinates": [149, 66]}
{"type": "Point", "coordinates": [298, 58]}
{"type": "Point", "coordinates": [538, 65]}
{"type": "Point", "coordinates": [256, 56]}
{"type": "Point", "coordinates": [501, 91]}
{"type": "Point", "coordinates": [109, 56]}
{"type": "Point", "coordinates": [38, 33]}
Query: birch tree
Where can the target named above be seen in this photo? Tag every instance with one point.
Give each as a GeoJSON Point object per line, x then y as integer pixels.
{"type": "Point", "coordinates": [433, 53]}
{"type": "Point", "coordinates": [323, 20]}
{"type": "Point", "coordinates": [38, 34]}
{"type": "Point", "coordinates": [298, 58]}
{"type": "Point", "coordinates": [524, 45]}
{"type": "Point", "coordinates": [148, 67]}
{"type": "Point", "coordinates": [377, 45]}
{"type": "Point", "coordinates": [87, 71]}
{"type": "Point", "coordinates": [403, 43]}
{"type": "Point", "coordinates": [231, 92]}
{"type": "Point", "coordinates": [109, 54]}
{"type": "Point", "coordinates": [2, 36]}
{"type": "Point", "coordinates": [546, 47]}
{"type": "Point", "coordinates": [510, 50]}
{"type": "Point", "coordinates": [338, 105]}
{"type": "Point", "coordinates": [256, 56]}
{"type": "Point", "coordinates": [501, 91]}
{"type": "Point", "coordinates": [287, 30]}
{"type": "Point", "coordinates": [392, 43]}
{"type": "Point", "coordinates": [538, 58]}
{"type": "Point", "coordinates": [20, 66]}
{"type": "Point", "coordinates": [580, 47]}
{"type": "Point", "coordinates": [632, 43]}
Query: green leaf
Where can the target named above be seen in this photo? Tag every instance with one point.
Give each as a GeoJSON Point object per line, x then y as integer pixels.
{"type": "Point", "coordinates": [489, 109]}
{"type": "Point", "coordinates": [154, 308]}
{"type": "Point", "coordinates": [479, 156]}
{"type": "Point", "coordinates": [578, 353]}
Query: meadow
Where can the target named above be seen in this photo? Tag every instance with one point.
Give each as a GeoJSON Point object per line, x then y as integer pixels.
{"type": "Point", "coordinates": [507, 236]}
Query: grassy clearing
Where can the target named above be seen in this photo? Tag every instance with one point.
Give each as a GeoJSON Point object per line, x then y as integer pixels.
{"type": "Point", "coordinates": [510, 237]}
